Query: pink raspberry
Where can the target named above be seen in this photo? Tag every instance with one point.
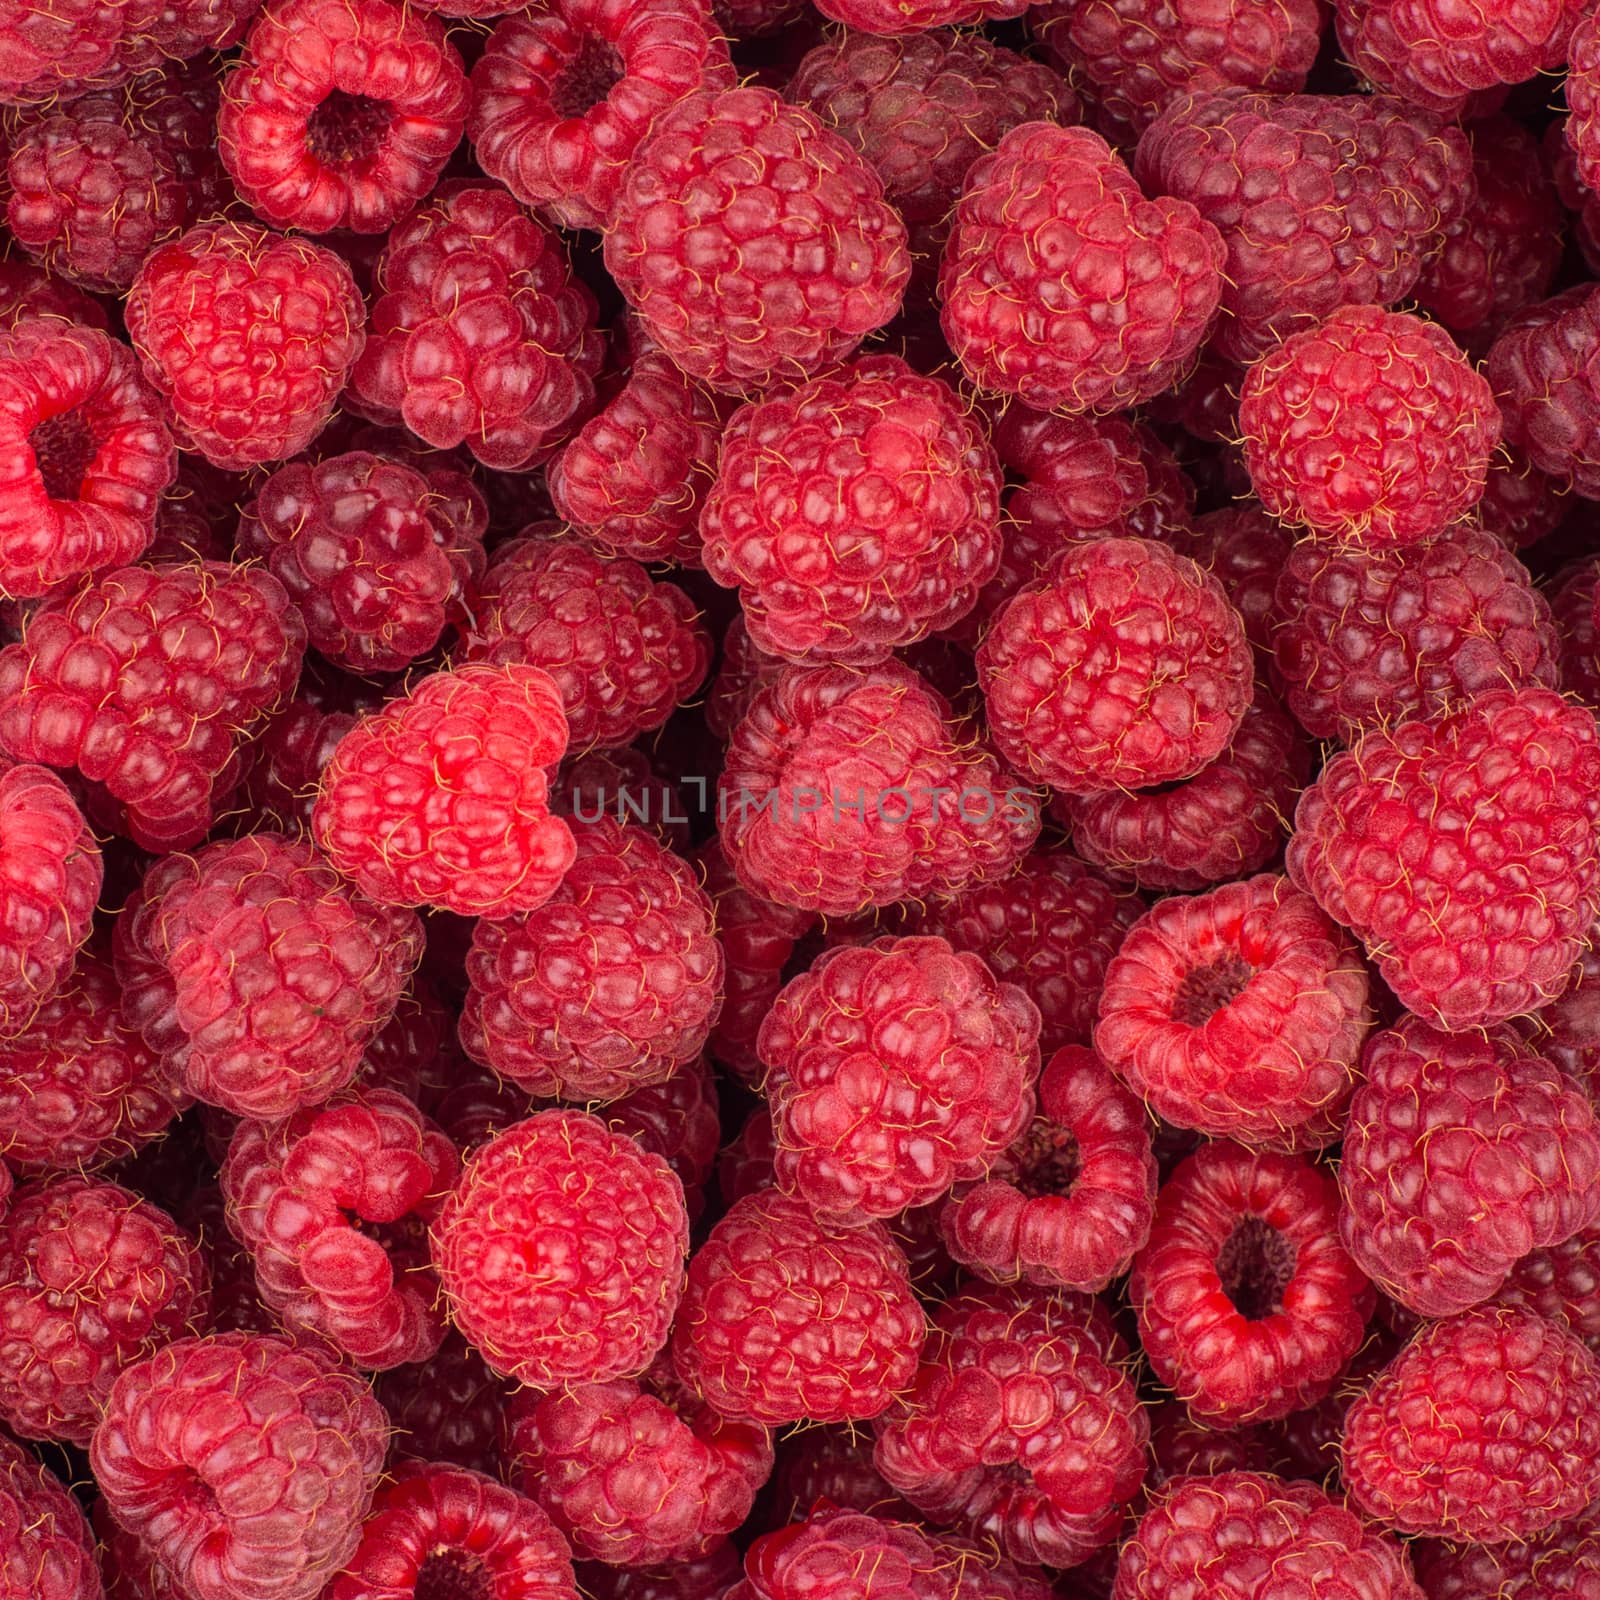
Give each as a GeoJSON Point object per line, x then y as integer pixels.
{"type": "Point", "coordinates": [563, 97]}
{"type": "Point", "coordinates": [1562, 1283]}
{"type": "Point", "coordinates": [480, 334]}
{"type": "Point", "coordinates": [1248, 1305]}
{"type": "Point", "coordinates": [1123, 667]}
{"type": "Point", "coordinates": [1055, 206]}
{"type": "Point", "coordinates": [1564, 1561]}
{"type": "Point", "coordinates": [895, 1070]}
{"type": "Point", "coordinates": [442, 797]}
{"type": "Point", "coordinates": [612, 985]}
{"type": "Point", "coordinates": [626, 785]}
{"type": "Point", "coordinates": [756, 245]}
{"type": "Point", "coordinates": [1023, 1427]}
{"type": "Point", "coordinates": [1485, 1428]}
{"type": "Point", "coordinates": [46, 1549]}
{"type": "Point", "coordinates": [917, 16]}
{"type": "Point", "coordinates": [245, 382]}
{"type": "Point", "coordinates": [1467, 926]}
{"type": "Point", "coordinates": [28, 291]}
{"type": "Point", "coordinates": [92, 1279]}
{"type": "Point", "coordinates": [846, 1555]}
{"type": "Point", "coordinates": [1464, 1152]}
{"type": "Point", "coordinates": [244, 1464]}
{"type": "Point", "coordinates": [449, 1409]}
{"type": "Point", "coordinates": [561, 1251]}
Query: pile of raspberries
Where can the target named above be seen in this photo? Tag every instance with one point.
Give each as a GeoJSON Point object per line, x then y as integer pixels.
{"type": "Point", "coordinates": [800, 800]}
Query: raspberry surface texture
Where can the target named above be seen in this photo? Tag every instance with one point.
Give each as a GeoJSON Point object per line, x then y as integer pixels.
{"type": "Point", "coordinates": [48, 1548]}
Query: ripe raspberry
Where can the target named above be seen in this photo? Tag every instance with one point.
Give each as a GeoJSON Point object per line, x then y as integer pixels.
{"type": "Point", "coordinates": [1070, 1202]}
{"type": "Point", "coordinates": [449, 1409]}
{"type": "Point", "coordinates": [895, 1070]}
{"type": "Point", "coordinates": [1022, 1428]}
{"type": "Point", "coordinates": [1251, 1535]}
{"type": "Point", "coordinates": [626, 785]}
{"type": "Point", "coordinates": [497, 350]}
{"type": "Point", "coordinates": [855, 514]}
{"type": "Point", "coordinates": [707, 1577]}
{"type": "Point", "coordinates": [1561, 1283]}
{"type": "Point", "coordinates": [624, 650]}
{"type": "Point", "coordinates": [561, 1251]}
{"type": "Point", "coordinates": [1056, 206]}
{"type": "Point", "coordinates": [1520, 504]}
{"type": "Point", "coordinates": [377, 556]}
{"type": "Point", "coordinates": [917, 16]}
{"type": "Point", "coordinates": [563, 97]}
{"type": "Point", "coordinates": [1248, 1305]}
{"type": "Point", "coordinates": [1565, 1561]}
{"type": "Point", "coordinates": [1572, 606]}
{"type": "Point", "coordinates": [210, 315]}
{"type": "Point", "coordinates": [1184, 1446]}
{"type": "Point", "coordinates": [28, 291]}
{"type": "Point", "coordinates": [284, 764]}
{"type": "Point", "coordinates": [1464, 1152]}
{"type": "Point", "coordinates": [442, 797]}
{"type": "Point", "coordinates": [46, 1548]}
{"type": "Point", "coordinates": [846, 1555]}
{"type": "Point", "coordinates": [1322, 200]}
{"type": "Point", "coordinates": [845, 789]}
{"type": "Point", "coordinates": [720, 175]}
{"type": "Point", "coordinates": [677, 1120]}
{"type": "Point", "coordinates": [244, 1464]}
{"type": "Point", "coordinates": [91, 1280]}
{"type": "Point", "coordinates": [147, 680]}
{"type": "Point", "coordinates": [832, 1466]}
{"type": "Point", "coordinates": [1244, 549]}
{"type": "Point", "coordinates": [1468, 925]}
{"type": "Point", "coordinates": [1485, 1428]}
{"type": "Point", "coordinates": [1123, 667]}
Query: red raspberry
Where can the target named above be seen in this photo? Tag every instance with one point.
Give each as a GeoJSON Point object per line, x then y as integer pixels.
{"type": "Point", "coordinates": [1023, 1427]}
{"type": "Point", "coordinates": [377, 556]}
{"type": "Point", "coordinates": [1123, 667]}
{"type": "Point", "coordinates": [1368, 638]}
{"type": "Point", "coordinates": [1561, 1283]}
{"type": "Point", "coordinates": [442, 797]}
{"type": "Point", "coordinates": [1244, 549]}
{"type": "Point", "coordinates": [831, 1466]}
{"type": "Point", "coordinates": [147, 680]}
{"type": "Point", "coordinates": [1572, 605]}
{"type": "Point", "coordinates": [1567, 1031]}
{"type": "Point", "coordinates": [91, 1280]}
{"type": "Point", "coordinates": [980, 1574]}
{"type": "Point", "coordinates": [45, 50]}
{"type": "Point", "coordinates": [209, 314]}
{"type": "Point", "coordinates": [563, 97]}
{"type": "Point", "coordinates": [1250, 1535]}
{"type": "Point", "coordinates": [480, 333]}
{"type": "Point", "coordinates": [1565, 1561]}
{"type": "Point", "coordinates": [755, 244]}
{"type": "Point", "coordinates": [625, 785]}
{"type": "Point", "coordinates": [855, 514]}
{"type": "Point", "coordinates": [183, 29]}
{"type": "Point", "coordinates": [624, 650]}
{"type": "Point", "coordinates": [1322, 200]}
{"type": "Point", "coordinates": [846, 1555]}
{"type": "Point", "coordinates": [1468, 926]}
{"type": "Point", "coordinates": [449, 1409]}
{"type": "Point", "coordinates": [917, 16]}
{"type": "Point", "coordinates": [788, 1319]}
{"type": "Point", "coordinates": [244, 1464]}
{"type": "Point", "coordinates": [1054, 206]}
{"type": "Point", "coordinates": [677, 1120]}
{"type": "Point", "coordinates": [561, 1251]}
{"type": "Point", "coordinates": [285, 762]}
{"type": "Point", "coordinates": [1464, 1152]}
{"type": "Point", "coordinates": [1520, 504]}
{"type": "Point", "coordinates": [743, 671]}
{"type": "Point", "coordinates": [846, 789]}
{"type": "Point", "coordinates": [341, 116]}
{"type": "Point", "coordinates": [1070, 1202]}
{"type": "Point", "coordinates": [895, 1070]}
{"type": "Point", "coordinates": [46, 1548]}
{"type": "Point", "coordinates": [612, 985]}
{"type": "Point", "coordinates": [1184, 1446]}
{"type": "Point", "coordinates": [707, 1577]}
{"type": "Point", "coordinates": [1248, 1305]}
{"type": "Point", "coordinates": [28, 291]}
{"type": "Point", "coordinates": [1485, 1428]}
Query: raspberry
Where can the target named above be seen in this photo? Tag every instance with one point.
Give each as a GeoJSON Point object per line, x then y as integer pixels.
{"type": "Point", "coordinates": [91, 1280]}
{"type": "Point", "coordinates": [612, 985]}
{"type": "Point", "coordinates": [677, 1120]}
{"type": "Point", "coordinates": [563, 97]}
{"type": "Point", "coordinates": [442, 797]}
{"type": "Point", "coordinates": [832, 1466]}
{"type": "Point", "coordinates": [1248, 1305]}
{"type": "Point", "coordinates": [480, 334]}
{"type": "Point", "coordinates": [845, 789]}
{"type": "Point", "coordinates": [1070, 1202]}
{"type": "Point", "coordinates": [46, 1548]}
{"type": "Point", "coordinates": [249, 335]}
{"type": "Point", "coordinates": [377, 556]}
{"type": "Point", "coordinates": [1322, 200]}
{"type": "Point", "coordinates": [917, 16]}
{"type": "Point", "coordinates": [788, 1319]}
{"type": "Point", "coordinates": [1485, 1428]}
{"type": "Point", "coordinates": [1572, 605]}
{"type": "Point", "coordinates": [624, 650]}
{"type": "Point", "coordinates": [1464, 1152]}
{"type": "Point", "coordinates": [147, 680]}
{"type": "Point", "coordinates": [980, 1574]}
{"type": "Point", "coordinates": [895, 1070]}
{"type": "Point", "coordinates": [46, 49]}
{"type": "Point", "coordinates": [707, 1577]}
{"type": "Point", "coordinates": [756, 245]}
{"type": "Point", "coordinates": [1250, 1535]}
{"type": "Point", "coordinates": [340, 116]}
{"type": "Point", "coordinates": [1520, 504]}
{"type": "Point", "coordinates": [87, 455]}
{"type": "Point", "coordinates": [1368, 638]}
{"type": "Point", "coordinates": [244, 1464]}
{"type": "Point", "coordinates": [561, 1251]}
{"type": "Point", "coordinates": [1564, 1561]}
{"type": "Point", "coordinates": [1561, 1283]}
{"type": "Point", "coordinates": [1184, 1446]}
{"type": "Point", "coordinates": [1022, 1428]}
{"type": "Point", "coordinates": [626, 785]}
{"type": "Point", "coordinates": [846, 1555]}
{"type": "Point", "coordinates": [1244, 549]}
{"type": "Point", "coordinates": [1468, 925]}
{"type": "Point", "coordinates": [449, 1409]}
{"type": "Point", "coordinates": [1123, 667]}
{"type": "Point", "coordinates": [28, 291]}
{"type": "Point", "coordinates": [1052, 208]}
{"type": "Point", "coordinates": [855, 514]}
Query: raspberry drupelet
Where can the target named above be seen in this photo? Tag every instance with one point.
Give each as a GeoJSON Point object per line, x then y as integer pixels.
{"type": "Point", "coordinates": [47, 1551]}
{"type": "Point", "coordinates": [561, 1251]}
